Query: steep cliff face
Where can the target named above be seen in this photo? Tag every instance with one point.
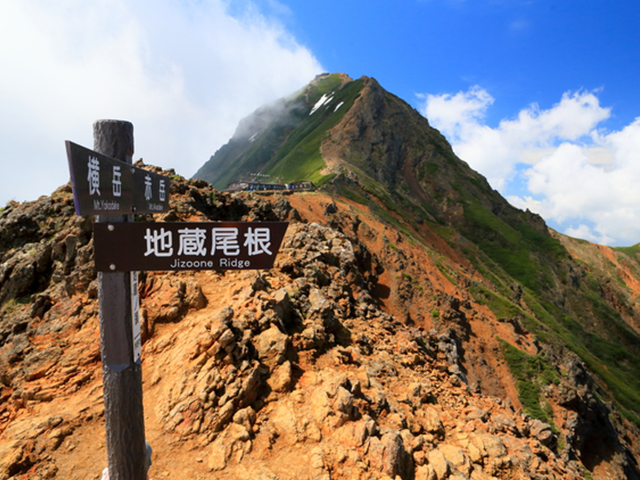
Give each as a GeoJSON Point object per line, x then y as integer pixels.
{"type": "Point", "coordinates": [382, 137]}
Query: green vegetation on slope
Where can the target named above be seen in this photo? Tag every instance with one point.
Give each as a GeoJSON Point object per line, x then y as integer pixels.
{"type": "Point", "coordinates": [285, 138]}
{"type": "Point", "coordinates": [516, 247]}
{"type": "Point", "coordinates": [531, 373]}
{"type": "Point", "coordinates": [612, 351]}
{"type": "Point", "coordinates": [499, 305]}
{"type": "Point", "coordinates": [299, 156]}
{"type": "Point", "coordinates": [584, 321]}
{"type": "Point", "coordinates": [632, 251]}
{"type": "Point", "coordinates": [258, 153]}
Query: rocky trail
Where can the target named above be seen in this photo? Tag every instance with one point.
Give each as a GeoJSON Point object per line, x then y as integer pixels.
{"type": "Point", "coordinates": [360, 355]}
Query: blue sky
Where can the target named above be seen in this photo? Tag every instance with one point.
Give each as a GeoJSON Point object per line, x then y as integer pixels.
{"type": "Point", "coordinates": [521, 51]}
{"type": "Point", "coordinates": [541, 97]}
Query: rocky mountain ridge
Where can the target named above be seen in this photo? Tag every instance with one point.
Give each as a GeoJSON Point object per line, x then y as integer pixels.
{"type": "Point", "coordinates": [380, 153]}
{"type": "Point", "coordinates": [365, 353]}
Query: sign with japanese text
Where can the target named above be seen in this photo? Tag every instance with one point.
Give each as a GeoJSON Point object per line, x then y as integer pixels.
{"type": "Point", "coordinates": [186, 246]}
{"type": "Point", "coordinates": [104, 185]}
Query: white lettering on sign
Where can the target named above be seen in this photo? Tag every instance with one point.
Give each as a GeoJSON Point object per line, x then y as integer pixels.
{"type": "Point", "coordinates": [117, 181]}
{"type": "Point", "coordinates": [192, 241]}
{"type": "Point", "coordinates": [147, 187]}
{"type": "Point", "coordinates": [177, 264]}
{"type": "Point", "coordinates": [93, 177]}
{"type": "Point", "coordinates": [258, 241]}
{"type": "Point", "coordinates": [234, 262]}
{"type": "Point", "coordinates": [225, 239]}
{"type": "Point", "coordinates": [159, 243]}
{"type": "Point", "coordinates": [162, 193]}
{"type": "Point", "coordinates": [106, 205]}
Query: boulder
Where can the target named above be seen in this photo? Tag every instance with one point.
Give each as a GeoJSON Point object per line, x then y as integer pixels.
{"type": "Point", "coordinates": [281, 380]}
{"type": "Point", "coordinates": [438, 462]}
{"type": "Point", "coordinates": [271, 346]}
{"type": "Point", "coordinates": [542, 432]}
{"type": "Point", "coordinates": [230, 447]}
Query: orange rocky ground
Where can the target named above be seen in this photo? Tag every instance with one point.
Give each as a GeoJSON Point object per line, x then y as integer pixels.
{"type": "Point", "coordinates": [332, 365]}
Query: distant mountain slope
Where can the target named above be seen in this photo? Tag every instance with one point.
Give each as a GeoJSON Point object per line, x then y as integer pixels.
{"type": "Point", "coordinates": [283, 139]}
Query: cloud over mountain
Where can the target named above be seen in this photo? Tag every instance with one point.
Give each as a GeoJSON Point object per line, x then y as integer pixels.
{"type": "Point", "coordinates": [184, 73]}
{"type": "Point", "coordinates": [558, 162]}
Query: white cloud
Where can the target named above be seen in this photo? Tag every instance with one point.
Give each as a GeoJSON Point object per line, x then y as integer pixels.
{"type": "Point", "coordinates": [184, 72]}
{"type": "Point", "coordinates": [454, 113]}
{"type": "Point", "coordinates": [531, 135]}
{"type": "Point", "coordinates": [585, 232]}
{"type": "Point", "coordinates": [583, 178]}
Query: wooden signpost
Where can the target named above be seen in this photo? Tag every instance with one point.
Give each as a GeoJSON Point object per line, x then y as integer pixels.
{"type": "Point", "coordinates": [106, 184]}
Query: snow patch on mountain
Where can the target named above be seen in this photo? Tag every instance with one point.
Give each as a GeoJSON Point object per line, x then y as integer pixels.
{"type": "Point", "coordinates": [324, 100]}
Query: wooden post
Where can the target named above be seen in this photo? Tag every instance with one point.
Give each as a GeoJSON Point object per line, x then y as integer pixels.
{"type": "Point", "coordinates": [122, 374]}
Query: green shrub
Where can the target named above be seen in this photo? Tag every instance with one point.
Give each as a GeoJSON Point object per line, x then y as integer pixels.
{"type": "Point", "coordinates": [530, 372]}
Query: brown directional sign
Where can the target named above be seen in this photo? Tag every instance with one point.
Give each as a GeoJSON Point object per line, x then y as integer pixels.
{"type": "Point", "coordinates": [186, 246]}
{"type": "Point", "coordinates": [104, 185]}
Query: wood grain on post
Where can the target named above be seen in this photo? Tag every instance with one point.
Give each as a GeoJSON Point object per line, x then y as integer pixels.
{"type": "Point", "coordinates": [124, 414]}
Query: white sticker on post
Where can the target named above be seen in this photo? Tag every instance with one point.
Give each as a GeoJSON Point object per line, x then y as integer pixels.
{"type": "Point", "coordinates": [135, 317]}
